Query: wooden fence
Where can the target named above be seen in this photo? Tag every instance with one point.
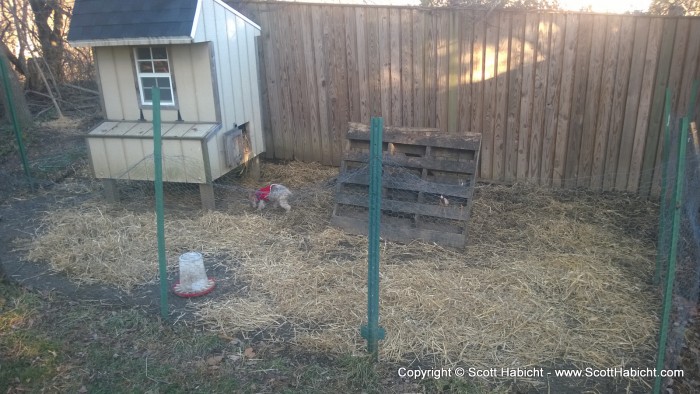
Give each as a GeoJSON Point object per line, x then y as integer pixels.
{"type": "Point", "coordinates": [563, 99]}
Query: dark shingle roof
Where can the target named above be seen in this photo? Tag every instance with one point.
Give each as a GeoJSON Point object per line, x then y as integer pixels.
{"type": "Point", "coordinates": [129, 19]}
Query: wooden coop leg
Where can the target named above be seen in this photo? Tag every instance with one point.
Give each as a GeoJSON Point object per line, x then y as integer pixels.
{"type": "Point", "coordinates": [111, 190]}
{"type": "Point", "coordinates": [255, 168]}
{"type": "Point", "coordinates": [206, 192]}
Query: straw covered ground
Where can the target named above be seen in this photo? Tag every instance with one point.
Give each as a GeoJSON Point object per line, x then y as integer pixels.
{"type": "Point", "coordinates": [550, 276]}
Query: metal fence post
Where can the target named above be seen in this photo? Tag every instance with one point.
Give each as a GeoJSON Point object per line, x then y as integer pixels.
{"type": "Point", "coordinates": [663, 207]}
{"type": "Point", "coordinates": [15, 122]}
{"type": "Point", "coordinates": [677, 205]}
{"type": "Point", "coordinates": [160, 220]}
{"type": "Point", "coordinates": [372, 331]}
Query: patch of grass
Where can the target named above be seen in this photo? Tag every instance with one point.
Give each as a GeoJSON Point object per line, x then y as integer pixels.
{"type": "Point", "coordinates": [71, 346]}
{"type": "Point", "coordinates": [361, 373]}
{"type": "Point", "coordinates": [455, 385]}
{"type": "Point", "coordinates": [310, 377]}
{"type": "Point", "coordinates": [29, 357]}
{"type": "Point", "coordinates": [8, 143]}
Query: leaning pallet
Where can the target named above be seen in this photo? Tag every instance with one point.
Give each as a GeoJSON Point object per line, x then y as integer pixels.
{"type": "Point", "coordinates": [427, 184]}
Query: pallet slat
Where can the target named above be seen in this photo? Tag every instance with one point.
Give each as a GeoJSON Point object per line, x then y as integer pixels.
{"type": "Point", "coordinates": [449, 212]}
{"type": "Point", "coordinates": [461, 191]}
{"type": "Point", "coordinates": [467, 167]}
{"type": "Point", "coordinates": [401, 234]}
{"type": "Point", "coordinates": [422, 136]}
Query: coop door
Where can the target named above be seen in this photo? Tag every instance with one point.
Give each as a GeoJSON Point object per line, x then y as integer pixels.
{"type": "Point", "coordinates": [236, 147]}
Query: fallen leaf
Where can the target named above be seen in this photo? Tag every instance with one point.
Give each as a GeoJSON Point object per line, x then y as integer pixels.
{"type": "Point", "coordinates": [249, 353]}
{"type": "Point", "coordinates": [83, 389]}
{"type": "Point", "coordinates": [215, 360]}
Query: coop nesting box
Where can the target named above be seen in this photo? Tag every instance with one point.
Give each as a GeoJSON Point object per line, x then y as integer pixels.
{"type": "Point", "coordinates": [201, 55]}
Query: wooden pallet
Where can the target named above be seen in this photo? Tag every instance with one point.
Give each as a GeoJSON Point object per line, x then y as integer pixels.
{"type": "Point", "coordinates": [420, 166]}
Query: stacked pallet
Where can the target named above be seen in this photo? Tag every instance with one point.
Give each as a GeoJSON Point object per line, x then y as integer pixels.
{"type": "Point", "coordinates": [427, 184]}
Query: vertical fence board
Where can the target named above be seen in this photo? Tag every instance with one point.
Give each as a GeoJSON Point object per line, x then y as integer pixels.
{"type": "Point", "coordinates": [407, 68]}
{"type": "Point", "coordinates": [530, 43]}
{"type": "Point", "coordinates": [597, 57]}
{"type": "Point", "coordinates": [385, 64]}
{"type": "Point", "coordinates": [338, 86]}
{"type": "Point", "coordinates": [691, 59]}
{"type": "Point", "coordinates": [430, 70]}
{"type": "Point", "coordinates": [362, 64]}
{"type": "Point", "coordinates": [634, 91]}
{"type": "Point", "coordinates": [319, 37]}
{"type": "Point", "coordinates": [311, 88]}
{"type": "Point", "coordinates": [352, 59]}
{"type": "Point", "coordinates": [654, 131]}
{"type": "Point", "coordinates": [395, 65]}
{"type": "Point", "coordinates": [554, 74]}
{"type": "Point", "coordinates": [674, 81]}
{"type": "Point", "coordinates": [490, 69]}
{"type": "Point", "coordinates": [298, 76]}
{"type": "Point", "coordinates": [373, 62]}
{"type": "Point", "coordinates": [579, 99]}
{"type": "Point", "coordinates": [565, 97]}
{"type": "Point", "coordinates": [622, 73]}
{"type": "Point", "coordinates": [514, 88]}
{"type": "Point", "coordinates": [454, 66]}
{"type": "Point", "coordinates": [419, 114]}
{"type": "Point", "coordinates": [477, 96]}
{"type": "Point", "coordinates": [270, 91]}
{"type": "Point", "coordinates": [465, 82]}
{"type": "Point", "coordinates": [644, 106]}
{"type": "Point", "coordinates": [499, 129]}
{"type": "Point", "coordinates": [442, 63]}
{"type": "Point", "coordinates": [539, 100]}
{"type": "Point", "coordinates": [612, 42]}
{"type": "Point", "coordinates": [287, 132]}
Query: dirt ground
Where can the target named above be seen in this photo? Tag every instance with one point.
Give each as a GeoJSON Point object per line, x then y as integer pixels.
{"type": "Point", "coordinates": [57, 152]}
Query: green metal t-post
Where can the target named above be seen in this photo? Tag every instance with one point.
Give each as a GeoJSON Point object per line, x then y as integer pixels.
{"type": "Point", "coordinates": [663, 209]}
{"type": "Point", "coordinates": [372, 332]}
{"type": "Point", "coordinates": [677, 205]}
{"type": "Point", "coordinates": [160, 220]}
{"type": "Point", "coordinates": [15, 121]}
{"type": "Point", "coordinates": [693, 99]}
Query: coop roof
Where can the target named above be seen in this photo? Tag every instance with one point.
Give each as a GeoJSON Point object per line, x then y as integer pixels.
{"type": "Point", "coordinates": [96, 22]}
{"type": "Point", "coordinates": [137, 22]}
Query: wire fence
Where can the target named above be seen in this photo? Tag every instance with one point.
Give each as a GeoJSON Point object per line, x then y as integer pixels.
{"type": "Point", "coordinates": [678, 247]}
{"type": "Point", "coordinates": [67, 171]}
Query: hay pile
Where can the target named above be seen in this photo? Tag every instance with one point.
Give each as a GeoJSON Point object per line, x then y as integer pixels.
{"type": "Point", "coordinates": [548, 276]}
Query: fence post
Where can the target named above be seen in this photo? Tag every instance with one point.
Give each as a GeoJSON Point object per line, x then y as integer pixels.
{"type": "Point", "coordinates": [372, 332]}
{"type": "Point", "coordinates": [693, 99]}
{"type": "Point", "coordinates": [160, 220]}
{"type": "Point", "coordinates": [15, 121]}
{"type": "Point", "coordinates": [663, 208]}
{"type": "Point", "coordinates": [677, 205]}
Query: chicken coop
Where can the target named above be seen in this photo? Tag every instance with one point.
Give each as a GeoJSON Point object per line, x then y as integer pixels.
{"type": "Point", "coordinates": [201, 54]}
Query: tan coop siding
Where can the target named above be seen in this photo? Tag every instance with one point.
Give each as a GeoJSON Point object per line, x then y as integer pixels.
{"type": "Point", "coordinates": [193, 82]}
{"type": "Point", "coordinates": [116, 73]}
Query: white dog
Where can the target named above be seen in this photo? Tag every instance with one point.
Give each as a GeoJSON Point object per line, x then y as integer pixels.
{"type": "Point", "coordinates": [277, 194]}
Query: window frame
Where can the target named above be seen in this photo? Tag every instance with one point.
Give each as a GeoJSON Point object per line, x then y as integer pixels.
{"type": "Point", "coordinates": [143, 102]}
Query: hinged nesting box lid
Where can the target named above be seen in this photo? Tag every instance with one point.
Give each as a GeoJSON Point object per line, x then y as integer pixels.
{"type": "Point", "coordinates": [198, 131]}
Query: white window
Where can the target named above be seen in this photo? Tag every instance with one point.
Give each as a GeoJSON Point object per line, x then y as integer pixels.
{"type": "Point", "coordinates": [153, 69]}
